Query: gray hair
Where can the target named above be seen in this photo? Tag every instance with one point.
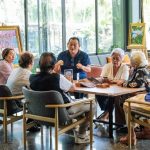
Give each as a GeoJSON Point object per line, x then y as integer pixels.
{"type": "Point", "coordinates": [118, 51]}
{"type": "Point", "coordinates": [139, 58]}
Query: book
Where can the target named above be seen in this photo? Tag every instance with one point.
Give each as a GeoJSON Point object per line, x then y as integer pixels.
{"type": "Point", "coordinates": [87, 84]}
{"type": "Point", "coordinates": [95, 81]}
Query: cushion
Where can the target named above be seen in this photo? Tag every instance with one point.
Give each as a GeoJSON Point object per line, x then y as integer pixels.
{"type": "Point", "coordinates": [125, 59]}
{"type": "Point", "coordinates": [95, 72]}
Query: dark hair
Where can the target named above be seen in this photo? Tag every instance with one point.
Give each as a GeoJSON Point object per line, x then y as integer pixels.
{"type": "Point", "coordinates": [6, 51]}
{"type": "Point", "coordinates": [47, 61]}
{"type": "Point", "coordinates": [74, 38]}
{"type": "Point", "coordinates": [25, 59]}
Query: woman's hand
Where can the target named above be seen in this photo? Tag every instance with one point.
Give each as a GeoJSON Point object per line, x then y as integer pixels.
{"type": "Point", "coordinates": [57, 67]}
{"type": "Point", "coordinates": [120, 82]}
{"type": "Point", "coordinates": [106, 80]}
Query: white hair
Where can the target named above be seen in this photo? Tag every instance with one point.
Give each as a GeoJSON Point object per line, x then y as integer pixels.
{"type": "Point", "coordinates": [118, 51]}
{"type": "Point", "coordinates": [139, 58]}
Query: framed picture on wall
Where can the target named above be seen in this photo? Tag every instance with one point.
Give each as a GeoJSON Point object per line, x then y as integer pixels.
{"type": "Point", "coordinates": [10, 38]}
{"type": "Point", "coordinates": [136, 39]}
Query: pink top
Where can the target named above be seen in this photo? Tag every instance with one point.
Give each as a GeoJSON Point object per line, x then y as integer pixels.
{"type": "Point", "coordinates": [5, 70]}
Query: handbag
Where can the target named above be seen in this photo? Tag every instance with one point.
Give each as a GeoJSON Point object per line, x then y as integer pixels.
{"type": "Point", "coordinates": [147, 97]}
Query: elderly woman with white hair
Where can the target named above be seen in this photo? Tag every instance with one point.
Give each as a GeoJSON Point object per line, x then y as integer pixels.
{"type": "Point", "coordinates": [114, 72]}
{"type": "Point", "coordinates": [137, 78]}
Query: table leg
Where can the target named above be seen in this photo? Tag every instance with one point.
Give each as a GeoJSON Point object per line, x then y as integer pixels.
{"type": "Point", "coordinates": [111, 101]}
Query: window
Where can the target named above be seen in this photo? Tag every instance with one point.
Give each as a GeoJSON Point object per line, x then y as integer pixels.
{"type": "Point", "coordinates": [111, 25]}
{"type": "Point", "coordinates": [146, 11]}
{"type": "Point", "coordinates": [99, 24]}
{"type": "Point", "coordinates": [105, 26]}
{"type": "Point", "coordinates": [44, 26]}
{"type": "Point", "coordinates": [33, 27]}
{"type": "Point", "coordinates": [9, 15]}
{"type": "Point", "coordinates": [54, 26]}
{"type": "Point", "coordinates": [80, 22]}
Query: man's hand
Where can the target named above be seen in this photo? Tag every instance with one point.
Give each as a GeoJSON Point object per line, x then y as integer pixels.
{"type": "Point", "coordinates": [79, 66]}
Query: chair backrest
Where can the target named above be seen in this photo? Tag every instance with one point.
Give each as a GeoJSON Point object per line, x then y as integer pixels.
{"type": "Point", "coordinates": [38, 99]}
{"type": "Point", "coordinates": [11, 105]}
{"type": "Point", "coordinates": [94, 60]}
{"type": "Point", "coordinates": [103, 58]}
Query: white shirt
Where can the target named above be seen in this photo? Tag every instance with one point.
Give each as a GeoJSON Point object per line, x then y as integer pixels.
{"type": "Point", "coordinates": [17, 79]}
{"type": "Point", "coordinates": [122, 74]}
{"type": "Point", "coordinates": [64, 83]}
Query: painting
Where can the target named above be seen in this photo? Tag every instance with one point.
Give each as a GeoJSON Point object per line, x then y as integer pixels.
{"type": "Point", "coordinates": [10, 38]}
{"type": "Point", "coordinates": [136, 39]}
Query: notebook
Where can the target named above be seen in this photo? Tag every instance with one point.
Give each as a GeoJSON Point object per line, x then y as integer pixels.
{"type": "Point", "coordinates": [95, 81]}
{"type": "Point", "coordinates": [92, 82]}
{"type": "Point", "coordinates": [87, 84]}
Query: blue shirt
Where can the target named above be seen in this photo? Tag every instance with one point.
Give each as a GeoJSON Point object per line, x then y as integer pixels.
{"type": "Point", "coordinates": [70, 63]}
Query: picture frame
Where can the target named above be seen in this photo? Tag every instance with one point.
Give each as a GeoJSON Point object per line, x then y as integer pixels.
{"type": "Point", "coordinates": [10, 38]}
{"type": "Point", "coordinates": [137, 37]}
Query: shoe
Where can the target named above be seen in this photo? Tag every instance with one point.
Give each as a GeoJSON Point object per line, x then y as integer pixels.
{"type": "Point", "coordinates": [124, 140]}
{"type": "Point", "coordinates": [138, 129]}
{"type": "Point", "coordinates": [77, 127]}
{"type": "Point", "coordinates": [33, 129]}
{"type": "Point", "coordinates": [102, 117]}
{"type": "Point", "coordinates": [81, 140]}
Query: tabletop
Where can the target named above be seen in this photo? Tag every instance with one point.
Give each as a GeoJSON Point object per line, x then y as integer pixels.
{"type": "Point", "coordinates": [113, 90]}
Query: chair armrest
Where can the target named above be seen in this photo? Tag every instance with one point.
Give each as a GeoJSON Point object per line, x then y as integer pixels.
{"type": "Point", "coordinates": [137, 102]}
{"type": "Point", "coordinates": [69, 104]}
{"type": "Point", "coordinates": [18, 97]}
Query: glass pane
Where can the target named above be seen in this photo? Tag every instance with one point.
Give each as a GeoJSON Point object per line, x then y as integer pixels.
{"type": "Point", "coordinates": [53, 26]}
{"type": "Point", "coordinates": [9, 15]}
{"type": "Point", "coordinates": [146, 11]}
{"type": "Point", "coordinates": [105, 26]}
{"type": "Point", "coordinates": [33, 31]}
{"type": "Point", "coordinates": [80, 22]}
{"type": "Point", "coordinates": [110, 25]}
{"type": "Point", "coordinates": [119, 26]}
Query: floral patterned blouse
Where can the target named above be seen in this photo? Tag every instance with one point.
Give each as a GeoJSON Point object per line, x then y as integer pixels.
{"type": "Point", "coordinates": [137, 78]}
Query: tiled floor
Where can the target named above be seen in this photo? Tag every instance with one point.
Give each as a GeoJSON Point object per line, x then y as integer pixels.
{"type": "Point", "coordinates": [66, 142]}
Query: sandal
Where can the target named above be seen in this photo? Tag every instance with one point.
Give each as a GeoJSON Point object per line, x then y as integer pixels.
{"type": "Point", "coordinates": [124, 140]}
{"type": "Point", "coordinates": [101, 117]}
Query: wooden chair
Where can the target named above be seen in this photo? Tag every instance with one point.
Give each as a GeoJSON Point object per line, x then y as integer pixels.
{"type": "Point", "coordinates": [141, 110]}
{"type": "Point", "coordinates": [8, 108]}
{"type": "Point", "coordinates": [48, 108]}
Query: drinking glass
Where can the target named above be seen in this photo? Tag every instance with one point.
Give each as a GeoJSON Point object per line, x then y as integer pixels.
{"type": "Point", "coordinates": [68, 73]}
